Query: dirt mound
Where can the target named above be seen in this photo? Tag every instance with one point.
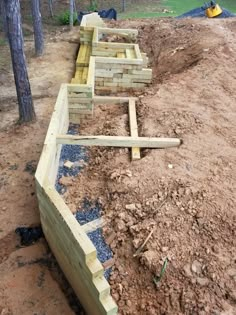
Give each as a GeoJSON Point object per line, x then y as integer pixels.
{"type": "Point", "coordinates": [175, 47]}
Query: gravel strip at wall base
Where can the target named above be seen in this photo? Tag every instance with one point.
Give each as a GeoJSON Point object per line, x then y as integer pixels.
{"type": "Point", "coordinates": [88, 211]}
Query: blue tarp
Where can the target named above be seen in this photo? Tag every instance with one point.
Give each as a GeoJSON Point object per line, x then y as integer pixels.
{"type": "Point", "coordinates": [110, 14]}
{"type": "Point", "coordinates": [200, 12]}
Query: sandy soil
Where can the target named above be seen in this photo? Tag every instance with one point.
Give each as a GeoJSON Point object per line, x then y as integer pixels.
{"type": "Point", "coordinates": [186, 195]}
{"type": "Point", "coordinates": [31, 282]}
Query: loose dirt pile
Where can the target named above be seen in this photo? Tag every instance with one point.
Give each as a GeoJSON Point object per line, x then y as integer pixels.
{"type": "Point", "coordinates": [186, 194]}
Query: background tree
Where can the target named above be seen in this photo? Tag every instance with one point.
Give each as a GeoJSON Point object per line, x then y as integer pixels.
{"type": "Point", "coordinates": [123, 5]}
{"type": "Point", "coordinates": [38, 28]}
{"type": "Point", "coordinates": [50, 3]}
{"type": "Point", "coordinates": [71, 13]}
{"type": "Point", "coordinates": [16, 43]}
{"type": "Point", "coordinates": [3, 18]}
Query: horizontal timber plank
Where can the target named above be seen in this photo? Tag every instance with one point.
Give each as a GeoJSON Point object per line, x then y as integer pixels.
{"type": "Point", "coordinates": [80, 105]}
{"type": "Point", "coordinates": [112, 99]}
{"type": "Point", "coordinates": [80, 95]}
{"type": "Point", "coordinates": [102, 65]}
{"type": "Point", "coordinates": [115, 141]}
{"type": "Point", "coordinates": [112, 45]}
{"type": "Point", "coordinates": [146, 72]}
{"type": "Point", "coordinates": [97, 53]}
{"type": "Point", "coordinates": [85, 111]}
{"type": "Point", "coordinates": [79, 88]}
{"type": "Point", "coordinates": [139, 76]}
{"type": "Point", "coordinates": [119, 61]}
{"type": "Point", "coordinates": [106, 30]}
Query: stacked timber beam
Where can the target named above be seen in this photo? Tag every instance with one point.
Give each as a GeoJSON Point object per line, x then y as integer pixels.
{"type": "Point", "coordinates": [114, 75]}
{"type": "Point", "coordinates": [109, 67]}
{"type": "Point", "coordinates": [120, 67]}
{"type": "Point", "coordinates": [87, 27]}
{"type": "Point", "coordinates": [81, 91]}
{"type": "Point", "coordinates": [80, 102]}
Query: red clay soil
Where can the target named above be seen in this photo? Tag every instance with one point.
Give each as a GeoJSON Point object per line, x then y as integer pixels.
{"type": "Point", "coordinates": [186, 195]}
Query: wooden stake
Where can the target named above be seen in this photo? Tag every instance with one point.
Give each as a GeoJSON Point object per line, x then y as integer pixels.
{"type": "Point", "coordinates": [144, 243]}
{"type": "Point", "coordinates": [135, 151]}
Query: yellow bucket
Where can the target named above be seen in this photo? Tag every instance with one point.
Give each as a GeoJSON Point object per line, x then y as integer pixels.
{"type": "Point", "coordinates": [213, 11]}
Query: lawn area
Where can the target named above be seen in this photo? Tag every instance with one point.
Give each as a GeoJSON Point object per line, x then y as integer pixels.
{"type": "Point", "coordinates": [173, 7]}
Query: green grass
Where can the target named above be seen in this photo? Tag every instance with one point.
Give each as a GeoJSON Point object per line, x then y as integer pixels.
{"type": "Point", "coordinates": [174, 7]}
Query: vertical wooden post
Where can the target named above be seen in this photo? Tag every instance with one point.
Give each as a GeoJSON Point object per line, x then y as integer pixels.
{"type": "Point", "coordinates": [16, 43]}
{"type": "Point", "coordinates": [38, 28]}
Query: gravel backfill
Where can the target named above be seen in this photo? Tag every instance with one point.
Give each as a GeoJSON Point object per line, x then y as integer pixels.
{"type": "Point", "coordinates": [89, 211]}
{"type": "Point", "coordinates": [72, 153]}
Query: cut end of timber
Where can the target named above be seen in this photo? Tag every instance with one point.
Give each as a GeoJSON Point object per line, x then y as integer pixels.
{"type": "Point", "coordinates": [136, 154]}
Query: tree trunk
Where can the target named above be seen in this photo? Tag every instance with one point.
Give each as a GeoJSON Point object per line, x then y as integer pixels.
{"type": "Point", "coordinates": [38, 28]}
{"type": "Point", "coordinates": [123, 5]}
{"type": "Point", "coordinates": [75, 9]}
{"type": "Point", "coordinates": [71, 13]}
{"type": "Point", "coordinates": [3, 18]}
{"type": "Point", "coordinates": [51, 7]}
{"type": "Point", "coordinates": [16, 43]}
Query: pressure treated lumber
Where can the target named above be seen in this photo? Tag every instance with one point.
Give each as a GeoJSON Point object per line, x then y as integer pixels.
{"type": "Point", "coordinates": [49, 159]}
{"type": "Point", "coordinates": [75, 253]}
{"type": "Point", "coordinates": [112, 99]}
{"type": "Point", "coordinates": [83, 55]}
{"type": "Point", "coordinates": [71, 246]}
{"type": "Point", "coordinates": [131, 33]}
{"type": "Point", "coordinates": [92, 20]}
{"type": "Point", "coordinates": [119, 61]}
{"type": "Point", "coordinates": [116, 141]}
{"type": "Point", "coordinates": [135, 151]}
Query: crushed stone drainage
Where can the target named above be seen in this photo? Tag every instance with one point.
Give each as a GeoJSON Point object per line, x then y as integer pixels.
{"type": "Point", "coordinates": [88, 211]}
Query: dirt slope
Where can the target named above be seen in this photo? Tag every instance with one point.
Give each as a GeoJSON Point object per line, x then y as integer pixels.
{"type": "Point", "coordinates": [187, 194]}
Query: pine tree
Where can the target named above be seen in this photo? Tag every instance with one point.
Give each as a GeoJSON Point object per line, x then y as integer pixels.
{"type": "Point", "coordinates": [38, 28]}
{"type": "Point", "coordinates": [16, 43]}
